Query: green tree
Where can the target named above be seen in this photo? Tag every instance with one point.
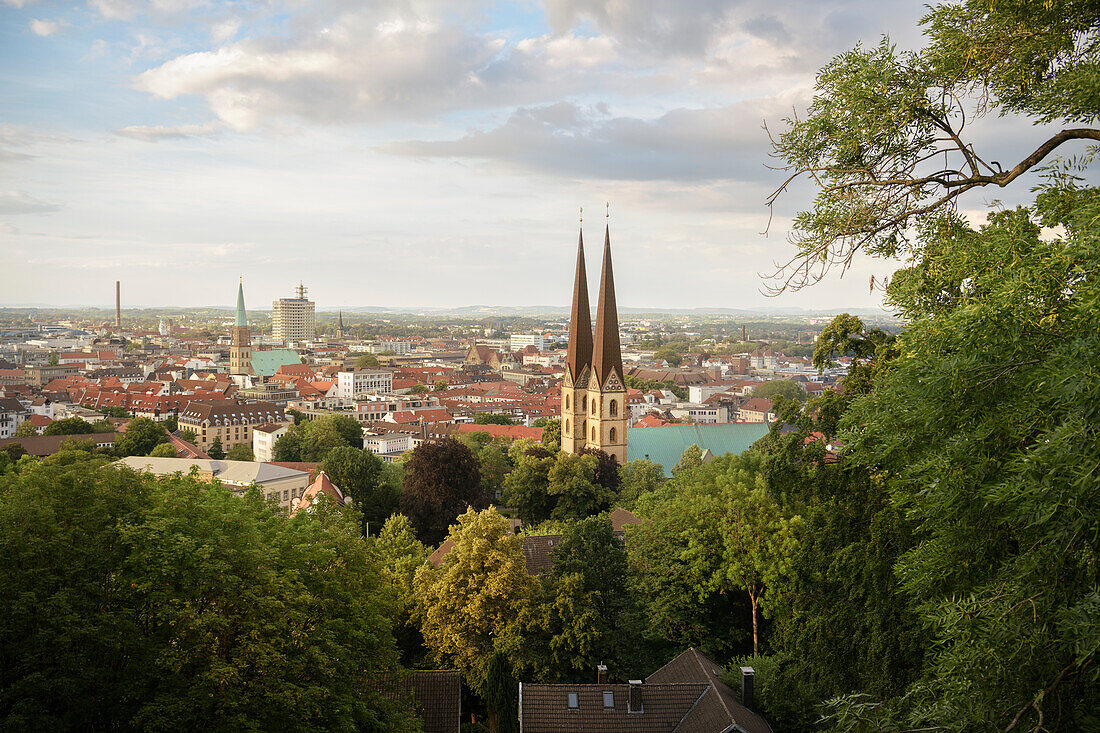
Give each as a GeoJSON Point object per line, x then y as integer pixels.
{"type": "Point", "coordinates": [103, 426]}
{"type": "Point", "coordinates": [188, 434]}
{"type": "Point", "coordinates": [68, 426]}
{"type": "Point", "coordinates": [691, 458]}
{"type": "Point", "coordinates": [501, 694]}
{"type": "Point", "coordinates": [780, 388]}
{"type": "Point", "coordinates": [215, 450]}
{"type": "Point", "coordinates": [171, 424]}
{"type": "Point", "coordinates": [358, 473]}
{"type": "Point", "coordinates": [441, 481]}
{"type": "Point", "coordinates": [288, 447]}
{"type": "Point", "coordinates": [418, 389]}
{"type": "Point", "coordinates": [440, 385]}
{"type": "Point", "coordinates": [141, 436]}
{"type": "Point", "coordinates": [669, 356]}
{"type": "Point", "coordinates": [884, 138]}
{"type": "Point", "coordinates": [240, 452]}
{"type": "Point", "coordinates": [366, 361]}
{"type": "Point", "coordinates": [573, 484]}
{"type": "Point", "coordinates": [53, 358]}
{"type": "Point", "coordinates": [465, 604]}
{"type": "Point", "coordinates": [527, 485]}
{"type": "Point", "coordinates": [551, 435]}
{"type": "Point", "coordinates": [26, 429]}
{"type": "Point", "coordinates": [637, 478]}
{"type": "Point", "coordinates": [489, 418]}
{"type": "Point", "coordinates": [401, 553]}
{"type": "Point", "coordinates": [163, 450]}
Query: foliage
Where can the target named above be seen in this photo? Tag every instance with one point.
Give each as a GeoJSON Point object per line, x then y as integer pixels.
{"type": "Point", "coordinates": [68, 426]}
{"type": "Point", "coordinates": [418, 389]}
{"type": "Point", "coordinates": [171, 424]}
{"type": "Point", "coordinates": [501, 693]}
{"type": "Point", "coordinates": [607, 468]}
{"type": "Point", "coordinates": [26, 429]}
{"type": "Point", "coordinates": [401, 554]}
{"type": "Point", "coordinates": [366, 361]}
{"type": "Point", "coordinates": [114, 411]}
{"type": "Point", "coordinates": [135, 602]}
{"type": "Point", "coordinates": [480, 586]}
{"type": "Point", "coordinates": [188, 434]}
{"type": "Point", "coordinates": [527, 485]}
{"type": "Point", "coordinates": [215, 450]}
{"type": "Point", "coordinates": [490, 418]}
{"type": "Point", "coordinates": [240, 452]}
{"type": "Point", "coordinates": [141, 436]}
{"type": "Point", "coordinates": [441, 481]}
{"type": "Point", "coordinates": [691, 458]}
{"type": "Point", "coordinates": [638, 477]}
{"type": "Point", "coordinates": [492, 460]}
{"type": "Point", "coordinates": [164, 450]}
{"type": "Point", "coordinates": [574, 488]}
{"type": "Point", "coordinates": [313, 439]}
{"type": "Point", "coordinates": [288, 447]}
{"type": "Point", "coordinates": [669, 355]}
{"type": "Point", "coordinates": [551, 434]}
{"type": "Point", "coordinates": [780, 388]}
{"type": "Point", "coordinates": [885, 137]}
{"type": "Point", "coordinates": [358, 473]}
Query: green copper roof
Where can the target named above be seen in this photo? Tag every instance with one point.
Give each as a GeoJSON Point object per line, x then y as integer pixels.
{"type": "Point", "coordinates": [664, 445]}
{"type": "Point", "coordinates": [242, 319]}
{"type": "Point", "coordinates": [266, 363]}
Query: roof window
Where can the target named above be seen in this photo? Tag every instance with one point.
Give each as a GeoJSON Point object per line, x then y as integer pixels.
{"type": "Point", "coordinates": [573, 704]}
{"type": "Point", "coordinates": [608, 699]}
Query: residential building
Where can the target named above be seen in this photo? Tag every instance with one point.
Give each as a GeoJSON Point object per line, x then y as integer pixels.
{"type": "Point", "coordinates": [263, 440]}
{"type": "Point", "coordinates": [517, 341]}
{"type": "Point", "coordinates": [358, 384]}
{"type": "Point", "coordinates": [12, 415]}
{"type": "Point", "coordinates": [292, 318]}
{"type": "Point", "coordinates": [230, 420]}
{"type": "Point", "coordinates": [757, 409]}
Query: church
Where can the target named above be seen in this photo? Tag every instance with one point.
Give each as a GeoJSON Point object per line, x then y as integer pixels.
{"type": "Point", "coordinates": [593, 391]}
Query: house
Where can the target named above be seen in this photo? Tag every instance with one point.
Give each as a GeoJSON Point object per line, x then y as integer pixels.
{"type": "Point", "coordinates": [264, 438]}
{"type": "Point", "coordinates": [437, 694]}
{"type": "Point", "coordinates": [12, 415]}
{"type": "Point", "coordinates": [46, 445]}
{"type": "Point", "coordinates": [284, 485]}
{"type": "Point", "coordinates": [687, 695]}
{"type": "Point", "coordinates": [321, 485]}
{"type": "Point", "coordinates": [757, 409]}
{"type": "Point", "coordinates": [231, 421]}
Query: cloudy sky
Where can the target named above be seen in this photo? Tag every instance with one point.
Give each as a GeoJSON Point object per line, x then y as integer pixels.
{"type": "Point", "coordinates": [409, 152]}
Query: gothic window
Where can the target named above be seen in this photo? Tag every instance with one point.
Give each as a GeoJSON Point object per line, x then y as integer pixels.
{"type": "Point", "coordinates": [567, 402]}
{"type": "Point", "coordinates": [584, 402]}
{"type": "Point", "coordinates": [612, 435]}
{"type": "Point", "coordinates": [567, 427]}
{"type": "Point", "coordinates": [593, 433]}
{"type": "Point", "coordinates": [613, 408]}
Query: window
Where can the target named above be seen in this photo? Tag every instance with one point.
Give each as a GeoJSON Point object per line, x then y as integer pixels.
{"type": "Point", "coordinates": [584, 402]}
{"type": "Point", "coordinates": [613, 408]}
{"type": "Point", "coordinates": [573, 704]}
{"type": "Point", "coordinates": [608, 699]}
{"type": "Point", "coordinates": [612, 436]}
{"type": "Point", "coordinates": [593, 433]}
{"type": "Point", "coordinates": [567, 427]}
{"type": "Point", "coordinates": [567, 402]}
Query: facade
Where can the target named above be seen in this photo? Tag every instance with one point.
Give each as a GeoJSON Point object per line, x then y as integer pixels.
{"type": "Point", "coordinates": [12, 415]}
{"type": "Point", "coordinates": [517, 341]}
{"type": "Point", "coordinates": [278, 483]}
{"type": "Point", "coordinates": [240, 345]}
{"type": "Point", "coordinates": [358, 384]}
{"type": "Point", "coordinates": [263, 440]}
{"type": "Point", "coordinates": [593, 401]}
{"type": "Point", "coordinates": [292, 318]}
{"type": "Point", "coordinates": [229, 420]}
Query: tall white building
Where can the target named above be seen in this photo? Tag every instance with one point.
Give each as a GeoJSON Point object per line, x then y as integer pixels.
{"type": "Point", "coordinates": [358, 384]}
{"type": "Point", "coordinates": [519, 341]}
{"type": "Point", "coordinates": [292, 318]}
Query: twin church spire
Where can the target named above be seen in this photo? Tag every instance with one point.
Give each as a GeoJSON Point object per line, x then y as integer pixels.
{"type": "Point", "coordinates": [594, 388]}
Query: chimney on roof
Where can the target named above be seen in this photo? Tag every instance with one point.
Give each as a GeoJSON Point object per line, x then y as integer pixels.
{"type": "Point", "coordinates": [634, 699]}
{"type": "Point", "coordinates": [747, 675]}
{"type": "Point", "coordinates": [601, 674]}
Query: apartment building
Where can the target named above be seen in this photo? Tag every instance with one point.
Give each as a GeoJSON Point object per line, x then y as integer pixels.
{"type": "Point", "coordinates": [230, 420]}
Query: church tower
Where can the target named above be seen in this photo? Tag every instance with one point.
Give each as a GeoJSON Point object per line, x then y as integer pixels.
{"type": "Point", "coordinates": [606, 383]}
{"type": "Point", "coordinates": [240, 346]}
{"type": "Point", "coordinates": [578, 361]}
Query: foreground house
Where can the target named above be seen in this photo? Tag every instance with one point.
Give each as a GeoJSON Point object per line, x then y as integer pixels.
{"type": "Point", "coordinates": [437, 695]}
{"type": "Point", "coordinates": [687, 695]}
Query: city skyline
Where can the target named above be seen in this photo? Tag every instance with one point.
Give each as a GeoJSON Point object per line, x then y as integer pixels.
{"type": "Point", "coordinates": [415, 154]}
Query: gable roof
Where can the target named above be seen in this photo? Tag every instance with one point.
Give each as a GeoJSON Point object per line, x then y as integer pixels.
{"type": "Point", "coordinates": [266, 363]}
{"type": "Point", "coordinates": [545, 708]}
{"type": "Point", "coordinates": [723, 704]}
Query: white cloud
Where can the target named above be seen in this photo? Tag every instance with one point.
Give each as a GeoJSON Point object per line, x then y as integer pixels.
{"type": "Point", "coordinates": [158, 132]}
{"type": "Point", "coordinates": [20, 202]}
{"type": "Point", "coordinates": [44, 27]}
{"type": "Point", "coordinates": [16, 3]}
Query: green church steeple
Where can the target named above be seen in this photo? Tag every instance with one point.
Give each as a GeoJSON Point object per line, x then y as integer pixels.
{"type": "Point", "coordinates": [242, 319]}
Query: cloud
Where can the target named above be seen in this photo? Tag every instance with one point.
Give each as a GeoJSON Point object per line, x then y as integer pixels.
{"type": "Point", "coordinates": [44, 27]}
{"type": "Point", "coordinates": [710, 144]}
{"type": "Point", "coordinates": [16, 3]}
{"type": "Point", "coordinates": [158, 132]}
{"type": "Point", "coordinates": [20, 202]}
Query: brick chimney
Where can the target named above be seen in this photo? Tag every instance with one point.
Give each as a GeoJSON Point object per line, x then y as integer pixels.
{"type": "Point", "coordinates": [747, 675]}
{"type": "Point", "coordinates": [601, 674]}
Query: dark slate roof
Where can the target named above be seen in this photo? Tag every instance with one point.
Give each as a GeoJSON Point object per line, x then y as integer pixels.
{"type": "Point", "coordinates": [579, 353]}
{"type": "Point", "coordinates": [723, 704]}
{"type": "Point", "coordinates": [47, 445]}
{"type": "Point", "coordinates": [545, 708]}
{"type": "Point", "coordinates": [606, 355]}
{"type": "Point", "coordinates": [438, 695]}
{"type": "Point", "coordinates": [538, 551]}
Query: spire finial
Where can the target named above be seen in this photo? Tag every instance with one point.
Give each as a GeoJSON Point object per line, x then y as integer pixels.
{"type": "Point", "coordinates": [582, 215]}
{"type": "Point", "coordinates": [607, 208]}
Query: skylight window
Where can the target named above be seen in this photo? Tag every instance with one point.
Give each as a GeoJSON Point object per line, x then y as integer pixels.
{"type": "Point", "coordinates": [608, 699]}
{"type": "Point", "coordinates": [573, 704]}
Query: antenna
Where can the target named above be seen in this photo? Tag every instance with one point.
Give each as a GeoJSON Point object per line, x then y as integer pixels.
{"type": "Point", "coordinates": [607, 207]}
{"type": "Point", "coordinates": [582, 215]}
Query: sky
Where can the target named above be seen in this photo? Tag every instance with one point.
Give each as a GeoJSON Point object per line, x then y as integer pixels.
{"type": "Point", "coordinates": [414, 152]}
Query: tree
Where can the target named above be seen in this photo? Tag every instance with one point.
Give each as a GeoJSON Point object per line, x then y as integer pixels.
{"type": "Point", "coordinates": [188, 434]}
{"type": "Point", "coordinates": [440, 385]}
{"type": "Point", "coordinates": [26, 429]}
{"type": "Point", "coordinates": [551, 435]}
{"type": "Point", "coordinates": [215, 450]}
{"type": "Point", "coordinates": [288, 447]}
{"type": "Point", "coordinates": [68, 426]}
{"type": "Point", "coordinates": [53, 358]}
{"type": "Point", "coordinates": [240, 452]}
{"type": "Point", "coordinates": [441, 481]}
{"type": "Point", "coordinates": [527, 485]}
{"type": "Point", "coordinates": [418, 389]}
{"type": "Point", "coordinates": [691, 458]}
{"type": "Point", "coordinates": [103, 426]}
{"type": "Point", "coordinates": [171, 424]}
{"type": "Point", "coordinates": [358, 473]}
{"type": "Point", "coordinates": [141, 436]}
{"type": "Point", "coordinates": [885, 137]}
{"type": "Point", "coordinates": [501, 693]}
{"type": "Point", "coordinates": [163, 450]}
{"type": "Point", "coordinates": [366, 361]}
{"type": "Point", "coordinates": [607, 468]}
{"type": "Point", "coordinates": [401, 553]}
{"type": "Point", "coordinates": [780, 388]}
{"type": "Point", "coordinates": [638, 477]}
{"type": "Point", "coordinates": [573, 484]}
{"type": "Point", "coordinates": [489, 418]}
{"type": "Point", "coordinates": [480, 586]}
{"type": "Point", "coordinates": [137, 602]}
{"type": "Point", "coordinates": [669, 356]}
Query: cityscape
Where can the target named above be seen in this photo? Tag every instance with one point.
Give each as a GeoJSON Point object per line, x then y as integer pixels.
{"type": "Point", "coordinates": [327, 403]}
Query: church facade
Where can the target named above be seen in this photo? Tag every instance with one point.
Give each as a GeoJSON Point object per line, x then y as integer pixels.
{"type": "Point", "coordinates": [593, 392]}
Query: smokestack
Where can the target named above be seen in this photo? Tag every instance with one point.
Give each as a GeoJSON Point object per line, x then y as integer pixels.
{"type": "Point", "coordinates": [634, 699]}
{"type": "Point", "coordinates": [601, 674]}
{"type": "Point", "coordinates": [743, 332]}
{"type": "Point", "coordinates": [747, 675]}
{"type": "Point", "coordinates": [118, 304]}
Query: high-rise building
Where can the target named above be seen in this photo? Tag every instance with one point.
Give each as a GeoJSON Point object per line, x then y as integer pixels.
{"type": "Point", "coordinates": [593, 406]}
{"type": "Point", "coordinates": [240, 345]}
{"type": "Point", "coordinates": [292, 318]}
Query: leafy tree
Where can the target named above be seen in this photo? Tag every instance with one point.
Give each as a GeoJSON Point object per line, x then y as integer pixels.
{"type": "Point", "coordinates": [141, 436]}
{"type": "Point", "coordinates": [26, 429]}
{"type": "Point", "coordinates": [441, 481]}
{"type": "Point", "coordinates": [401, 553]}
{"type": "Point", "coordinates": [637, 478]}
{"type": "Point", "coordinates": [527, 485]}
{"type": "Point", "coordinates": [164, 450]}
{"type": "Point", "coordinates": [53, 359]}
{"type": "Point", "coordinates": [288, 447]}
{"type": "Point", "coordinates": [607, 468]}
{"type": "Point", "coordinates": [188, 434]}
{"type": "Point", "coordinates": [114, 411]}
{"type": "Point", "coordinates": [885, 138]}
{"type": "Point", "coordinates": [780, 388]}
{"type": "Point", "coordinates": [103, 426]}
{"type": "Point", "coordinates": [358, 473]}
{"type": "Point", "coordinates": [418, 389]}
{"type": "Point", "coordinates": [440, 385]}
{"type": "Point", "coordinates": [137, 602]}
{"type": "Point", "coordinates": [215, 450]}
{"type": "Point", "coordinates": [489, 418]}
{"type": "Point", "coordinates": [501, 693]}
{"type": "Point", "coordinates": [297, 416]}
{"type": "Point", "coordinates": [171, 424]}
{"type": "Point", "coordinates": [466, 603]}
{"type": "Point", "coordinates": [669, 356]}
{"type": "Point", "coordinates": [492, 460]}
{"type": "Point", "coordinates": [573, 484]}
{"type": "Point", "coordinates": [366, 361]}
{"type": "Point", "coordinates": [68, 426]}
{"type": "Point", "coordinates": [551, 435]}
{"type": "Point", "coordinates": [691, 458]}
{"type": "Point", "coordinates": [240, 452]}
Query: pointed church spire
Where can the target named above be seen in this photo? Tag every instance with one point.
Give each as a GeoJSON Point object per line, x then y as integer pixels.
{"type": "Point", "coordinates": [606, 355]}
{"type": "Point", "coordinates": [580, 319]}
{"type": "Point", "coordinates": [242, 319]}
